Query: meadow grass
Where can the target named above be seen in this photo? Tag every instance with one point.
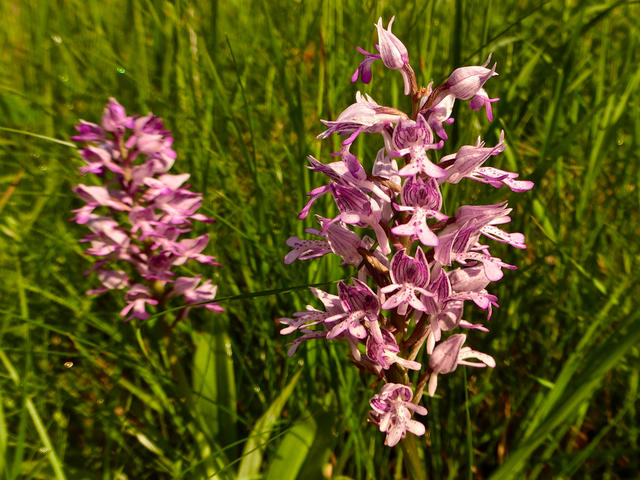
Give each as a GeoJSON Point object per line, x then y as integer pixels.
{"type": "Point", "coordinates": [243, 85]}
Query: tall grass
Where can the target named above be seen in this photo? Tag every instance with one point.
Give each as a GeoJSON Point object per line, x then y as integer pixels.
{"type": "Point", "coordinates": [243, 86]}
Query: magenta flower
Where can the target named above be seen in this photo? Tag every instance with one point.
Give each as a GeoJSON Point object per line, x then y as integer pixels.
{"type": "Point", "coordinates": [421, 198]}
{"type": "Point", "coordinates": [143, 213]}
{"type": "Point", "coordinates": [356, 208]}
{"type": "Point", "coordinates": [466, 82]}
{"type": "Point", "coordinates": [333, 316]}
{"type": "Point", "coordinates": [384, 352]}
{"type": "Point", "coordinates": [364, 69]}
{"type": "Point", "coordinates": [394, 54]}
{"type": "Point", "coordinates": [409, 277]}
{"type": "Point", "coordinates": [312, 316]}
{"type": "Point", "coordinates": [449, 354]}
{"type": "Point", "coordinates": [138, 296]}
{"type": "Point", "coordinates": [459, 241]}
{"type": "Point", "coordinates": [402, 305]}
{"type": "Point", "coordinates": [481, 99]}
{"type": "Point", "coordinates": [363, 116]}
{"type": "Point", "coordinates": [413, 139]}
{"type": "Point", "coordinates": [306, 249]}
{"type": "Point", "coordinates": [468, 159]}
{"type": "Point", "coordinates": [361, 307]}
{"type": "Point", "coordinates": [392, 51]}
{"type": "Point", "coordinates": [392, 411]}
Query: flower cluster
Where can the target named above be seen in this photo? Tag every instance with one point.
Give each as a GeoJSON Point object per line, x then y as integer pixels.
{"type": "Point", "coordinates": [139, 213]}
{"type": "Point", "coordinates": [416, 265]}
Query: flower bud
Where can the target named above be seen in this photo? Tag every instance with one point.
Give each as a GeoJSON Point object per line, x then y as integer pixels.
{"type": "Point", "coordinates": [464, 83]}
{"type": "Point", "coordinates": [392, 51]}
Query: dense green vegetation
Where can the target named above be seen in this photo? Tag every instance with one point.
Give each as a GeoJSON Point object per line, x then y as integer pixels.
{"type": "Point", "coordinates": [243, 85]}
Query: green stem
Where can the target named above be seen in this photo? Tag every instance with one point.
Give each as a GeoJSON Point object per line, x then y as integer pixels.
{"type": "Point", "coordinates": [413, 462]}
{"type": "Point", "coordinates": [175, 366]}
{"type": "Point", "coordinates": [184, 392]}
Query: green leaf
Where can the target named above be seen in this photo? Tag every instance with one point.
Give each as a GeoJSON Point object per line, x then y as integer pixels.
{"type": "Point", "coordinates": [293, 450]}
{"type": "Point", "coordinates": [324, 442]}
{"type": "Point", "coordinates": [259, 437]}
{"type": "Point", "coordinates": [3, 436]}
{"type": "Point", "coordinates": [214, 384]}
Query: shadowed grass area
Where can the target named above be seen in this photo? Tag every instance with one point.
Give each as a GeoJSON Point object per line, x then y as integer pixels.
{"type": "Point", "coordinates": [242, 85]}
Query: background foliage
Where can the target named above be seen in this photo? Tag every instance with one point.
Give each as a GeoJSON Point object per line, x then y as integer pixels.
{"type": "Point", "coordinates": [243, 86]}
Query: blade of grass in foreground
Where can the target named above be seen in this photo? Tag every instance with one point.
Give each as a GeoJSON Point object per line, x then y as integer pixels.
{"type": "Point", "coordinates": [214, 387]}
{"type": "Point", "coordinates": [575, 361]}
{"type": "Point", "coordinates": [293, 450]}
{"type": "Point", "coordinates": [37, 421]}
{"type": "Point", "coordinates": [583, 455]}
{"type": "Point", "coordinates": [598, 363]}
{"type": "Point", "coordinates": [3, 436]}
{"type": "Point", "coordinates": [257, 442]}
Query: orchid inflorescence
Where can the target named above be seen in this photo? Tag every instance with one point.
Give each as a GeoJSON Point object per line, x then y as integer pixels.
{"type": "Point", "coordinates": [139, 213]}
{"type": "Point", "coordinates": [416, 266]}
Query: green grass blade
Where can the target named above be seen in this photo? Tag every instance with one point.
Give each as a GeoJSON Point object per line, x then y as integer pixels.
{"type": "Point", "coordinates": [3, 437]}
{"type": "Point", "coordinates": [293, 450]}
{"type": "Point", "coordinates": [259, 437]}
{"type": "Point", "coordinates": [582, 456]}
{"type": "Point", "coordinates": [576, 360]}
{"type": "Point", "coordinates": [469, 427]}
{"type": "Point", "coordinates": [579, 390]}
{"type": "Point", "coordinates": [214, 384]}
{"type": "Point", "coordinates": [41, 137]}
{"type": "Point", "coordinates": [56, 466]}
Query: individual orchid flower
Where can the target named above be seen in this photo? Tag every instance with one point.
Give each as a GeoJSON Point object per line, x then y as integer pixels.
{"type": "Point", "coordinates": [487, 217]}
{"type": "Point", "coordinates": [196, 292]}
{"type": "Point", "coordinates": [111, 280]}
{"type": "Point", "coordinates": [361, 308]}
{"type": "Point", "coordinates": [469, 283]}
{"type": "Point", "coordinates": [423, 199]}
{"type": "Point", "coordinates": [335, 238]}
{"type": "Point", "coordinates": [481, 99]}
{"type": "Point", "coordinates": [328, 319]}
{"type": "Point", "coordinates": [312, 316]}
{"type": "Point", "coordinates": [497, 178]}
{"type": "Point", "coordinates": [466, 161]}
{"type": "Point", "coordinates": [384, 352]}
{"type": "Point", "coordinates": [356, 208]}
{"type": "Point", "coordinates": [346, 173]}
{"type": "Point", "coordinates": [449, 354]}
{"type": "Point", "coordinates": [409, 277]}
{"type": "Point", "coordinates": [306, 249]}
{"type": "Point", "coordinates": [363, 116]}
{"type": "Point", "coordinates": [115, 119]}
{"type": "Point", "coordinates": [394, 54]}
{"type": "Point", "coordinates": [459, 240]}
{"type": "Point", "coordinates": [392, 51]}
{"type": "Point", "coordinates": [465, 83]}
{"type": "Point", "coordinates": [137, 297]}
{"type": "Point", "coordinates": [392, 410]}
{"type": "Point", "coordinates": [413, 139]}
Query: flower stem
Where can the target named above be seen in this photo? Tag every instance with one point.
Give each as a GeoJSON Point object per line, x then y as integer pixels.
{"type": "Point", "coordinates": [413, 462]}
{"type": "Point", "coordinates": [178, 374]}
